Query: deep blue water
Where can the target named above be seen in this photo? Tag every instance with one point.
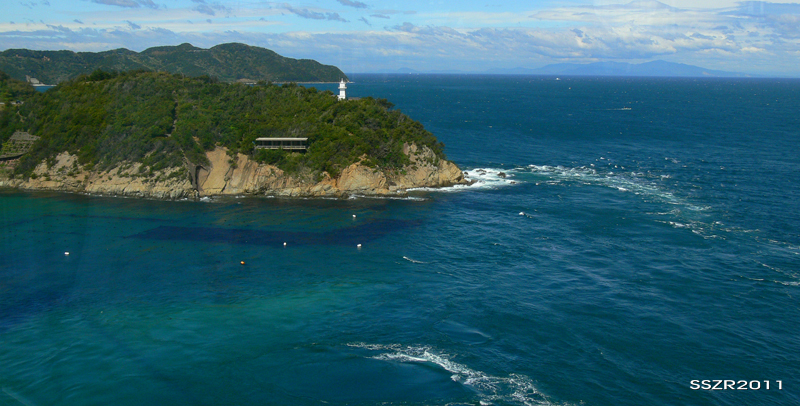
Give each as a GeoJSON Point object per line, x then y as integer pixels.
{"type": "Point", "coordinates": [646, 234]}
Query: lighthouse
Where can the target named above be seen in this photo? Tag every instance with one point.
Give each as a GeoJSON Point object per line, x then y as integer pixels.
{"type": "Point", "coordinates": [342, 88]}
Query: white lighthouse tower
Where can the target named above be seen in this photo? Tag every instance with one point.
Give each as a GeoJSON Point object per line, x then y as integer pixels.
{"type": "Point", "coordinates": [342, 88]}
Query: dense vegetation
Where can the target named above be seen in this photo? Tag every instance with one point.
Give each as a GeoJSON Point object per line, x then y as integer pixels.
{"type": "Point", "coordinates": [228, 62]}
{"type": "Point", "coordinates": [164, 120]}
{"type": "Point", "coordinates": [12, 90]}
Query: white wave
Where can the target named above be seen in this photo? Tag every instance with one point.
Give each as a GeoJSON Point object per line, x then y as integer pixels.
{"type": "Point", "coordinates": [513, 389]}
{"type": "Point", "coordinates": [629, 182]}
{"type": "Point", "coordinates": [413, 260]}
{"type": "Point", "coordinates": [479, 178]}
{"type": "Point", "coordinates": [399, 357]}
{"type": "Point", "coordinates": [648, 186]}
{"type": "Point", "coordinates": [783, 246]}
{"type": "Point", "coordinates": [788, 283]}
{"type": "Point", "coordinates": [699, 228]}
{"type": "Point", "coordinates": [384, 197]}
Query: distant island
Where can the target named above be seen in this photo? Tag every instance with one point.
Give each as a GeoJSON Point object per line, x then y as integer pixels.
{"type": "Point", "coordinates": [647, 69]}
{"type": "Point", "coordinates": [163, 135]}
{"type": "Point", "coordinates": [227, 62]}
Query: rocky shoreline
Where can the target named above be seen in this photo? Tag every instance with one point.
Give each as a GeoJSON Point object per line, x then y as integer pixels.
{"type": "Point", "coordinates": [228, 175]}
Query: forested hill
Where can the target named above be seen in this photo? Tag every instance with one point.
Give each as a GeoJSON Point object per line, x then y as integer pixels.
{"type": "Point", "coordinates": [165, 120]}
{"type": "Point", "coordinates": [12, 90]}
{"type": "Point", "coordinates": [228, 62]}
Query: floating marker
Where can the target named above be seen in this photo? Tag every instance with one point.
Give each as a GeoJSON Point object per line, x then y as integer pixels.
{"type": "Point", "coordinates": [354, 216]}
{"type": "Point", "coordinates": [66, 253]}
{"type": "Point", "coordinates": [521, 213]}
{"type": "Point", "coordinates": [359, 245]}
{"type": "Point", "coordinates": [242, 262]}
{"type": "Point", "coordinates": [284, 244]}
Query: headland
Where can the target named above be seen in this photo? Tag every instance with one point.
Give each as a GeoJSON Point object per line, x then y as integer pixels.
{"type": "Point", "coordinates": [166, 136]}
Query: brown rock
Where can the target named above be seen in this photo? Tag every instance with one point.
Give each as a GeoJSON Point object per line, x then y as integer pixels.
{"type": "Point", "coordinates": [220, 177]}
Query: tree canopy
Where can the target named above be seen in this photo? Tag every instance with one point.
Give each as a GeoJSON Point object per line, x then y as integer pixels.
{"type": "Point", "coordinates": [13, 90]}
{"type": "Point", "coordinates": [229, 62]}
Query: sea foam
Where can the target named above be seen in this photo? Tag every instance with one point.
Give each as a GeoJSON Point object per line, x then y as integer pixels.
{"type": "Point", "coordinates": [479, 178]}
{"type": "Point", "coordinates": [515, 389]}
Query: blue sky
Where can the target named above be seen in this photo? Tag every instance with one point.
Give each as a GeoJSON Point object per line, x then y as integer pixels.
{"type": "Point", "coordinates": [369, 35]}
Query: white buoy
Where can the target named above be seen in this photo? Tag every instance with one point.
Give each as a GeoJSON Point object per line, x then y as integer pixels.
{"type": "Point", "coordinates": [359, 245]}
{"type": "Point", "coordinates": [66, 253]}
{"type": "Point", "coordinates": [284, 244]}
{"type": "Point", "coordinates": [354, 216]}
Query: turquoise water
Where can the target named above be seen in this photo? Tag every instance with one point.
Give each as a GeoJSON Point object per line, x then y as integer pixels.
{"type": "Point", "coordinates": [622, 254]}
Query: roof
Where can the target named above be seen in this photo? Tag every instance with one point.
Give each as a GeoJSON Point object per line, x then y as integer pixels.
{"type": "Point", "coordinates": [280, 139]}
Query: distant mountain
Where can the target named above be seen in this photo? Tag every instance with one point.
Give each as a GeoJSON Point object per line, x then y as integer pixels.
{"type": "Point", "coordinates": [228, 62]}
{"type": "Point", "coordinates": [654, 68]}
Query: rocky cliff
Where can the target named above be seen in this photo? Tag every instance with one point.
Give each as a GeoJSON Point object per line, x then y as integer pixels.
{"type": "Point", "coordinates": [228, 175]}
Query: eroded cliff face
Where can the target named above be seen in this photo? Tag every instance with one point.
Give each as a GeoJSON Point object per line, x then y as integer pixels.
{"type": "Point", "coordinates": [426, 170]}
{"type": "Point", "coordinates": [226, 175]}
{"type": "Point", "coordinates": [126, 180]}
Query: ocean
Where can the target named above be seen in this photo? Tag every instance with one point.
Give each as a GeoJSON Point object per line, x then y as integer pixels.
{"type": "Point", "coordinates": [628, 241]}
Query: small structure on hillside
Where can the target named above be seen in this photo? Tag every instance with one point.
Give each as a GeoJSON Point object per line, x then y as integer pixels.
{"type": "Point", "coordinates": [289, 144]}
{"type": "Point", "coordinates": [342, 88]}
{"type": "Point", "coordinates": [19, 143]}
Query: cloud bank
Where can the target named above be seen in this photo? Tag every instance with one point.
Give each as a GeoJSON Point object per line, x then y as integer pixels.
{"type": "Point", "coordinates": [749, 36]}
{"type": "Point", "coordinates": [128, 3]}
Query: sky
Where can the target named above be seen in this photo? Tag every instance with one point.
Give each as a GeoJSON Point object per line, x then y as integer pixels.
{"type": "Point", "coordinates": [474, 36]}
